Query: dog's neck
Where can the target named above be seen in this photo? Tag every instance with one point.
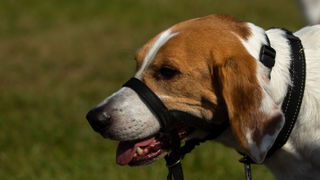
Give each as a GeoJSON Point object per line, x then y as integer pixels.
{"type": "Point", "coordinates": [280, 76]}
{"type": "Point", "coordinates": [279, 83]}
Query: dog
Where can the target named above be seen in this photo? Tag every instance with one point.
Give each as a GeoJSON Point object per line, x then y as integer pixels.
{"type": "Point", "coordinates": [209, 67]}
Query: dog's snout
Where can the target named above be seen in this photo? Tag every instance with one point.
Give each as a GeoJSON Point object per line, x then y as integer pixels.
{"type": "Point", "coordinates": [99, 120]}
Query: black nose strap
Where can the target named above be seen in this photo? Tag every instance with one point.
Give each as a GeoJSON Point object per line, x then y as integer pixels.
{"type": "Point", "coordinates": [153, 101]}
{"type": "Point", "coordinates": [167, 121]}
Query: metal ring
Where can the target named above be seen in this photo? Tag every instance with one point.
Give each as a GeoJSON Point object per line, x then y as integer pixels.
{"type": "Point", "coordinates": [300, 51]}
{"type": "Point", "coordinates": [170, 166]}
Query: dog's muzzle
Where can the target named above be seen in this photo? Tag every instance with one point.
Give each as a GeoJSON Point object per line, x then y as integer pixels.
{"type": "Point", "coordinates": [100, 119]}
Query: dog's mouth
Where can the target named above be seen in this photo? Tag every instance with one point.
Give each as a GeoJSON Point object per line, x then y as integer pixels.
{"type": "Point", "coordinates": [148, 150]}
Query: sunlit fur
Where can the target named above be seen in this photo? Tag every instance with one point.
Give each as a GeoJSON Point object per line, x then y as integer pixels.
{"type": "Point", "coordinates": [299, 159]}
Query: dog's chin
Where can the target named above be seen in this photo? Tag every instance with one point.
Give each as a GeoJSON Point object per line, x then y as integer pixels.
{"type": "Point", "coordinates": [146, 151]}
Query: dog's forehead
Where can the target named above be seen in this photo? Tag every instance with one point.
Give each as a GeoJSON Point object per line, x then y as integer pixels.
{"type": "Point", "coordinates": [219, 30]}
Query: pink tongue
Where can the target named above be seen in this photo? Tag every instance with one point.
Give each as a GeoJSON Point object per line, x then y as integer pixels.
{"type": "Point", "coordinates": [126, 150]}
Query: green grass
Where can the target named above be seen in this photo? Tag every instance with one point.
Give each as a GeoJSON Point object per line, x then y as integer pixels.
{"type": "Point", "coordinates": [58, 59]}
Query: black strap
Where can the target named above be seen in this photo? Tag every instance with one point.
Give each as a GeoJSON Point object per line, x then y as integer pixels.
{"type": "Point", "coordinates": [175, 168]}
{"type": "Point", "coordinates": [292, 102]}
{"type": "Point", "coordinates": [208, 126]}
{"type": "Point", "coordinates": [214, 129]}
{"type": "Point", "coordinates": [166, 122]}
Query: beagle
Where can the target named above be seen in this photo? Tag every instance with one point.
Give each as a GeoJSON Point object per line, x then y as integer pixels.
{"type": "Point", "coordinates": [209, 67]}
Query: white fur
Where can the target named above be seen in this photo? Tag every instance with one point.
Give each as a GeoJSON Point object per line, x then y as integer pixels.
{"type": "Point", "coordinates": [164, 37]}
{"type": "Point", "coordinates": [255, 41]}
{"type": "Point", "coordinates": [280, 77]}
{"type": "Point", "coordinates": [132, 117]}
{"type": "Point", "coordinates": [256, 150]}
{"type": "Point", "coordinates": [137, 118]}
{"type": "Point", "coordinates": [253, 45]}
{"type": "Point", "coordinates": [299, 158]}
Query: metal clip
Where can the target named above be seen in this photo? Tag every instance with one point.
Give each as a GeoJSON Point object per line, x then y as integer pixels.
{"type": "Point", "coordinates": [247, 166]}
{"type": "Point", "coordinates": [170, 166]}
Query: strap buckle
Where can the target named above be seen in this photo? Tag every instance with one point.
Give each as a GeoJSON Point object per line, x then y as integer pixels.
{"type": "Point", "coordinates": [267, 56]}
{"type": "Point", "coordinates": [170, 166]}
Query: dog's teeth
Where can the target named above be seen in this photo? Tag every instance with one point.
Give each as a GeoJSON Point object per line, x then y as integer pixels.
{"type": "Point", "coordinates": [139, 150]}
{"type": "Point", "coordinates": [135, 155]}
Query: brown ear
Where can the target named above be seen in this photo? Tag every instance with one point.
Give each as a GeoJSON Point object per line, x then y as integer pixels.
{"type": "Point", "coordinates": [255, 119]}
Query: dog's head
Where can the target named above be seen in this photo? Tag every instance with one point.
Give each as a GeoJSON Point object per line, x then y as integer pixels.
{"type": "Point", "coordinates": [208, 67]}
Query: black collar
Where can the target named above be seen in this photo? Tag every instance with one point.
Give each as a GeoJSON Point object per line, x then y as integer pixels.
{"type": "Point", "coordinates": [292, 102]}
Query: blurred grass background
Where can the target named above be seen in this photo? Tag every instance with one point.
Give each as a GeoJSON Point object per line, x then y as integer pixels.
{"type": "Point", "coordinates": [59, 58]}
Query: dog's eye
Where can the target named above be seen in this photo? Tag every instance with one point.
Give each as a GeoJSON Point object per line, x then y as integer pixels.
{"type": "Point", "coordinates": [168, 72]}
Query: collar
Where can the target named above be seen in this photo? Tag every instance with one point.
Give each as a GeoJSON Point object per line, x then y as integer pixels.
{"type": "Point", "coordinates": [292, 102]}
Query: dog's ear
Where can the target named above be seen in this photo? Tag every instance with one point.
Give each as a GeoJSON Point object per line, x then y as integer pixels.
{"type": "Point", "coordinates": [255, 119]}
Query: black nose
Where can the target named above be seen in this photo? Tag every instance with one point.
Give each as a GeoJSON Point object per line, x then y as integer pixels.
{"type": "Point", "coordinates": [99, 120]}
